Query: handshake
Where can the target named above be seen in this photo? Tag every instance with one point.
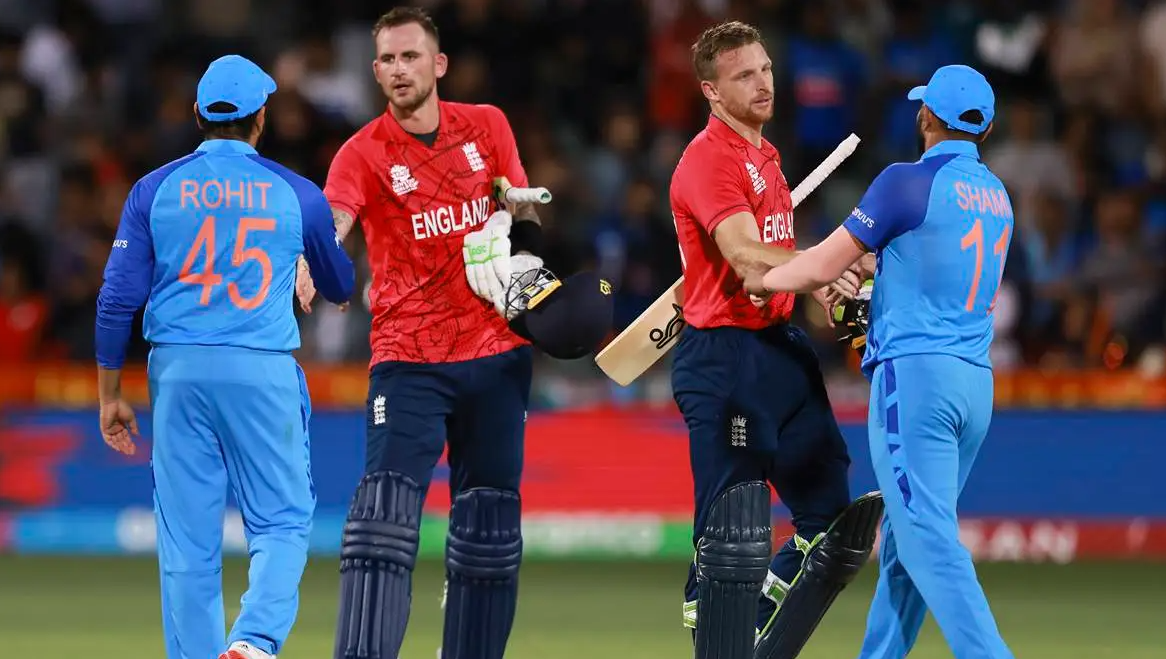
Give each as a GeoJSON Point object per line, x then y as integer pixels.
{"type": "Point", "coordinates": [491, 270]}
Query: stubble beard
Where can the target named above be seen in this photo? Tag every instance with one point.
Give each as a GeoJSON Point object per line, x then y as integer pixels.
{"type": "Point", "coordinates": [411, 106]}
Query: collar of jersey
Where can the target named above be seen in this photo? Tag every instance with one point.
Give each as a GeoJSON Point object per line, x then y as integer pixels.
{"type": "Point", "coordinates": [444, 119]}
{"type": "Point", "coordinates": [958, 147]}
{"type": "Point", "coordinates": [722, 130]}
{"type": "Point", "coordinates": [227, 147]}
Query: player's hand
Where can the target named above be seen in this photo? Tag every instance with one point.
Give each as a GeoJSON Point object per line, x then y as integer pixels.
{"type": "Point", "coordinates": [305, 287]}
{"type": "Point", "coordinates": [487, 256]}
{"type": "Point", "coordinates": [754, 286]}
{"type": "Point", "coordinates": [828, 299]}
{"type": "Point", "coordinates": [867, 264]}
{"type": "Point", "coordinates": [119, 426]}
{"type": "Point", "coordinates": [848, 284]}
{"type": "Point", "coordinates": [520, 264]}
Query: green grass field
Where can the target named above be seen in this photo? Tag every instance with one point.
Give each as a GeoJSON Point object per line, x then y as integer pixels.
{"type": "Point", "coordinates": [108, 608]}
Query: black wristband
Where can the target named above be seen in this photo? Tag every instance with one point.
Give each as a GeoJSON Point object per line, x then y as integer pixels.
{"type": "Point", "coordinates": [526, 236]}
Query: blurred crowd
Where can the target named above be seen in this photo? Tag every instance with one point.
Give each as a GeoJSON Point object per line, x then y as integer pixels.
{"type": "Point", "coordinates": [95, 93]}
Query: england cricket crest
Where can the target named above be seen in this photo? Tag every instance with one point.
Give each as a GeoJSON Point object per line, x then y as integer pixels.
{"type": "Point", "coordinates": [664, 336]}
{"type": "Point", "coordinates": [473, 157]}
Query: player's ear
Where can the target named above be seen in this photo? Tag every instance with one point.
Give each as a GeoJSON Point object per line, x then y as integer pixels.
{"type": "Point", "coordinates": [440, 64]}
{"type": "Point", "coordinates": [987, 132]}
{"type": "Point", "coordinates": [929, 120]}
{"type": "Point", "coordinates": [197, 116]}
{"type": "Point", "coordinates": [710, 91]}
{"type": "Point", "coordinates": [260, 121]}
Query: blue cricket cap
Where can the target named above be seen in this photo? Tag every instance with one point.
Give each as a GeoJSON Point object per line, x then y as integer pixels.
{"type": "Point", "coordinates": [952, 91]}
{"type": "Point", "coordinates": [236, 80]}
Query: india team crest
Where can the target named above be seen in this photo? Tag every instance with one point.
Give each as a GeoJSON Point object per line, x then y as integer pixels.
{"type": "Point", "coordinates": [402, 180]}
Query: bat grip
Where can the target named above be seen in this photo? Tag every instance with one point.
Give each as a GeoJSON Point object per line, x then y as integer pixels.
{"type": "Point", "coordinates": [528, 195]}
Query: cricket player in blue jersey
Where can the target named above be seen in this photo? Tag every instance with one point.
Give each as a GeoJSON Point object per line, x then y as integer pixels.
{"type": "Point", "coordinates": [939, 229]}
{"type": "Point", "coordinates": [210, 243]}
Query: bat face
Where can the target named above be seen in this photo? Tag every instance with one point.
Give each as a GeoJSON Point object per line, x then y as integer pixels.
{"type": "Point", "coordinates": [664, 336]}
{"type": "Point", "coordinates": [646, 339]}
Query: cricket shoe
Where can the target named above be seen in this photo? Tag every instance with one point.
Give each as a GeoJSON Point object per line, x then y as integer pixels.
{"type": "Point", "coordinates": [241, 650]}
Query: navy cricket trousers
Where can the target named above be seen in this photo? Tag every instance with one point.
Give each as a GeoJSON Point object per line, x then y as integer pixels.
{"type": "Point", "coordinates": [477, 406]}
{"type": "Point", "coordinates": [756, 408]}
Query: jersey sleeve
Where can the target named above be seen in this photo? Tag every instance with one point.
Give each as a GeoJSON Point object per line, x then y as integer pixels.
{"type": "Point", "coordinates": [331, 268]}
{"type": "Point", "coordinates": [129, 272]}
{"type": "Point", "coordinates": [509, 163]}
{"type": "Point", "coordinates": [890, 207]}
{"type": "Point", "coordinates": [713, 189]}
{"type": "Point", "coordinates": [348, 181]}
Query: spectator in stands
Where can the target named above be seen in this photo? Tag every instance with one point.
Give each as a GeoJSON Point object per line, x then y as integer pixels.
{"type": "Point", "coordinates": [912, 53]}
{"type": "Point", "coordinates": [1052, 258]}
{"type": "Point", "coordinates": [1029, 161]}
{"type": "Point", "coordinates": [827, 82]}
{"type": "Point", "coordinates": [22, 312]}
{"type": "Point", "coordinates": [1117, 281]}
{"type": "Point", "coordinates": [1094, 59]}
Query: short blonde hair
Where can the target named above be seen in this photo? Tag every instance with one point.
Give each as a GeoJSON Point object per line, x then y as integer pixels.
{"type": "Point", "coordinates": [718, 39]}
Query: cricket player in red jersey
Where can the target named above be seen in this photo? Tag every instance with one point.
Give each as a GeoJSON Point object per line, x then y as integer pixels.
{"type": "Point", "coordinates": [748, 382]}
{"type": "Point", "coordinates": [446, 365]}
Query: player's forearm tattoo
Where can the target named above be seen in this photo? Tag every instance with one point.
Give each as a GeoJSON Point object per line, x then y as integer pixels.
{"type": "Point", "coordinates": [343, 221]}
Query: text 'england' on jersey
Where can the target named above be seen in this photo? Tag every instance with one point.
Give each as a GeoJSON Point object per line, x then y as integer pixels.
{"type": "Point", "coordinates": [940, 228]}
{"type": "Point", "coordinates": [227, 227]}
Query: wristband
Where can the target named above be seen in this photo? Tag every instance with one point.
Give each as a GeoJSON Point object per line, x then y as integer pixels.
{"type": "Point", "coordinates": [526, 236]}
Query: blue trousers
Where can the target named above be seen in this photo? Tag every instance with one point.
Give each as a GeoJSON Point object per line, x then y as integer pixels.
{"type": "Point", "coordinates": [477, 406]}
{"type": "Point", "coordinates": [237, 419]}
{"type": "Point", "coordinates": [756, 408]}
{"type": "Point", "coordinates": [929, 415]}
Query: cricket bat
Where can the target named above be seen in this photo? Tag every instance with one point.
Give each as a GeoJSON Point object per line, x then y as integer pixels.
{"type": "Point", "coordinates": [655, 331]}
{"type": "Point", "coordinates": [506, 193]}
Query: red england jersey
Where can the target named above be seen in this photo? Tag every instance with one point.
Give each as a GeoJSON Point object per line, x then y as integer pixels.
{"type": "Point", "coordinates": [415, 203]}
{"type": "Point", "coordinates": [721, 174]}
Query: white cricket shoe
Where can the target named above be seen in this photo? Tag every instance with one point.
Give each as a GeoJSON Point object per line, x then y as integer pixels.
{"type": "Point", "coordinates": [241, 650]}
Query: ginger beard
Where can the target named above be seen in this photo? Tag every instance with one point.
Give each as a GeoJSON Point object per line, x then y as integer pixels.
{"type": "Point", "coordinates": [407, 67]}
{"type": "Point", "coordinates": [744, 84]}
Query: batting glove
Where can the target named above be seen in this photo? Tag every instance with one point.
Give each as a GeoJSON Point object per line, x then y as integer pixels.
{"type": "Point", "coordinates": [487, 256]}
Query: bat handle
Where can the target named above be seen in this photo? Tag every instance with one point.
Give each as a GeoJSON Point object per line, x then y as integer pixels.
{"type": "Point", "coordinates": [528, 195]}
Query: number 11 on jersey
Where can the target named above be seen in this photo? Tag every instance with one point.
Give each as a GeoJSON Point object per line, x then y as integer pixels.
{"type": "Point", "coordinates": [975, 238]}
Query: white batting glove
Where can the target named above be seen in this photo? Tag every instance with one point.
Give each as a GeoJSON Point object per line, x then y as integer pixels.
{"type": "Point", "coordinates": [487, 256]}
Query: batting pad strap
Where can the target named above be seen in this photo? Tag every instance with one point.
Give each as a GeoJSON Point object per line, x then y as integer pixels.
{"type": "Point", "coordinates": [774, 588]}
{"type": "Point", "coordinates": [485, 535]}
{"type": "Point", "coordinates": [526, 235]}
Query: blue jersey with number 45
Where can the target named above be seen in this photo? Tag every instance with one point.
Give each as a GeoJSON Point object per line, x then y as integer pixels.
{"type": "Point", "coordinates": [209, 244]}
{"type": "Point", "coordinates": [940, 228]}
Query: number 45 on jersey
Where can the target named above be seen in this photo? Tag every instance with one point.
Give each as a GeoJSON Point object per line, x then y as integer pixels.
{"type": "Point", "coordinates": [208, 278]}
